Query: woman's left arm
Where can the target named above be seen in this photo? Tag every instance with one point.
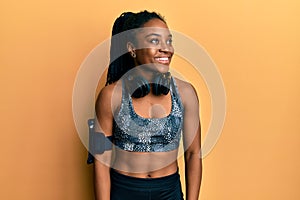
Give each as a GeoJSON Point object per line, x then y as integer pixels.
{"type": "Point", "coordinates": [192, 142]}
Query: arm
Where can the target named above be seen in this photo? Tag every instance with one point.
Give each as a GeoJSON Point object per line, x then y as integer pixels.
{"type": "Point", "coordinates": [102, 161]}
{"type": "Point", "coordinates": [192, 143]}
{"type": "Point", "coordinates": [101, 180]}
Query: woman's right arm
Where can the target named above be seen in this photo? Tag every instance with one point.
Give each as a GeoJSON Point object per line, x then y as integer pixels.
{"type": "Point", "coordinates": [101, 181]}
{"type": "Point", "coordinates": [102, 161]}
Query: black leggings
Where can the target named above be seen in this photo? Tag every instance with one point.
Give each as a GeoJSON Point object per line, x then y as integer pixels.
{"type": "Point", "coordinates": [130, 188]}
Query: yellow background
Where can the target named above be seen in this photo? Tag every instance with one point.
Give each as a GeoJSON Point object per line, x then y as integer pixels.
{"type": "Point", "coordinates": [255, 45]}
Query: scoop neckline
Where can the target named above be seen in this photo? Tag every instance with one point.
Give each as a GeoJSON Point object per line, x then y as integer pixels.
{"type": "Point", "coordinates": [148, 118]}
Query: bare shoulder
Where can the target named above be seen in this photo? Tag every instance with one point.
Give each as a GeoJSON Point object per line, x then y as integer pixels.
{"type": "Point", "coordinates": [182, 84]}
{"type": "Point", "coordinates": [105, 94]}
{"type": "Point", "coordinates": [108, 97]}
{"type": "Point", "coordinates": [186, 90]}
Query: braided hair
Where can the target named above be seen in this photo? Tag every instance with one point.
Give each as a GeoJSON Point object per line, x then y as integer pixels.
{"type": "Point", "coordinates": [120, 59]}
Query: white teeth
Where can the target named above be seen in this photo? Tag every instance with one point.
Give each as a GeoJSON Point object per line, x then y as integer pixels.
{"type": "Point", "coordinates": [162, 59]}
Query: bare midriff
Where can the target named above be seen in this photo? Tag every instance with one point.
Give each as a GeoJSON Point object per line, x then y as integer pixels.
{"type": "Point", "coordinates": [145, 164]}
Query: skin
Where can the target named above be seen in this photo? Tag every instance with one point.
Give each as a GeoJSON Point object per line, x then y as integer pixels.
{"type": "Point", "coordinates": [154, 46]}
{"type": "Point", "coordinates": [154, 50]}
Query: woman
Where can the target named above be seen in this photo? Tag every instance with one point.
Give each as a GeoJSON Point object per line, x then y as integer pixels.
{"type": "Point", "coordinates": [146, 111]}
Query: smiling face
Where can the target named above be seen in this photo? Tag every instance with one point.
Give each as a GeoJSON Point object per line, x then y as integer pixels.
{"type": "Point", "coordinates": [153, 46]}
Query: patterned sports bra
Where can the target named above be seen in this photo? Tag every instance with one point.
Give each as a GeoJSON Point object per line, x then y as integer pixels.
{"type": "Point", "coordinates": [132, 132]}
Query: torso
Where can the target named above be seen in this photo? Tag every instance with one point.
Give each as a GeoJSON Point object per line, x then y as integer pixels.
{"type": "Point", "coordinates": [147, 164]}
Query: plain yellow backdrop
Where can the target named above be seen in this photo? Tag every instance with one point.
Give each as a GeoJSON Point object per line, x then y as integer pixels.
{"type": "Point", "coordinates": [255, 45]}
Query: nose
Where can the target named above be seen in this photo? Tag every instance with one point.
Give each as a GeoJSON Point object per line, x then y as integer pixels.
{"type": "Point", "coordinates": [165, 47]}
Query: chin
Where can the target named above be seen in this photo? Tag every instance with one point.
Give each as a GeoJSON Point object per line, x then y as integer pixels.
{"type": "Point", "coordinates": [162, 68]}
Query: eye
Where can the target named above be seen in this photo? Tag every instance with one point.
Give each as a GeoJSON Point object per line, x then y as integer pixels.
{"type": "Point", "coordinates": [154, 41]}
{"type": "Point", "coordinates": [170, 41]}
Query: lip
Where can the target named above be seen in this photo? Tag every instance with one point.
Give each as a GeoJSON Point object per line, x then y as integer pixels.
{"type": "Point", "coordinates": [163, 60]}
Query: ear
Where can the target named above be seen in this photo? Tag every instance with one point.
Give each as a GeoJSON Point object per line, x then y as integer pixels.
{"type": "Point", "coordinates": [130, 47]}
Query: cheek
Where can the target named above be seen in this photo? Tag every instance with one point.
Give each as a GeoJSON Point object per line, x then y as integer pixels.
{"type": "Point", "coordinates": [152, 51]}
{"type": "Point", "coordinates": [146, 54]}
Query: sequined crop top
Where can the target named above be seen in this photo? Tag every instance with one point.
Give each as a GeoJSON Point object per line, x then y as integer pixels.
{"type": "Point", "coordinates": [132, 132]}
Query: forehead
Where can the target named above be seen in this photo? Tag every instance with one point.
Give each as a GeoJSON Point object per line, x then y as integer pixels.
{"type": "Point", "coordinates": [154, 26]}
{"type": "Point", "coordinates": [155, 23]}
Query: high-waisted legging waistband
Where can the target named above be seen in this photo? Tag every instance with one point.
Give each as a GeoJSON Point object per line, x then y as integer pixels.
{"type": "Point", "coordinates": [146, 183]}
{"type": "Point", "coordinates": [125, 187]}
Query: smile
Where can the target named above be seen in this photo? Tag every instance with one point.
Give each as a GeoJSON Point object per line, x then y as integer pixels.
{"type": "Point", "coordinates": [163, 60]}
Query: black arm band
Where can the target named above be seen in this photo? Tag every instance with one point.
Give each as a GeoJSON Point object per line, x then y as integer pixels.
{"type": "Point", "coordinates": [98, 142]}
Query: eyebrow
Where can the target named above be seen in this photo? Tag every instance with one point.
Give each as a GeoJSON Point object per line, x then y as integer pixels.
{"type": "Point", "coordinates": [155, 34]}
